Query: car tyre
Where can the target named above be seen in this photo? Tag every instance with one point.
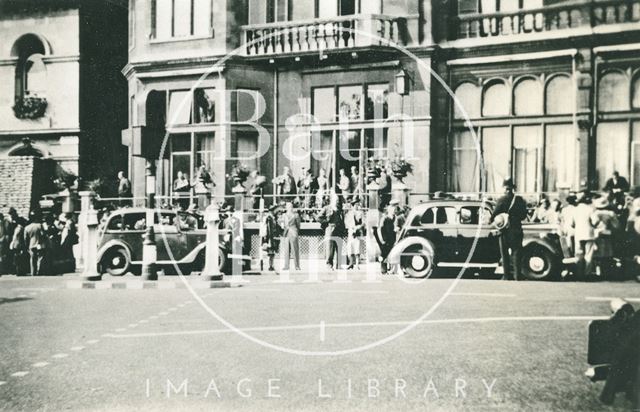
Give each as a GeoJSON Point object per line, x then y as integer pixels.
{"type": "Point", "coordinates": [198, 264]}
{"type": "Point", "coordinates": [417, 262]}
{"type": "Point", "coordinates": [116, 262]}
{"type": "Point", "coordinates": [538, 263]}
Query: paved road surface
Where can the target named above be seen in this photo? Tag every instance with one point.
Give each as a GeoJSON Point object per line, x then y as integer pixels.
{"type": "Point", "coordinates": [488, 345]}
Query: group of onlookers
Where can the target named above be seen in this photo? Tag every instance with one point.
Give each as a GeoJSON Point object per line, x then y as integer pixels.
{"type": "Point", "coordinates": [38, 246]}
{"type": "Point", "coordinates": [602, 229]}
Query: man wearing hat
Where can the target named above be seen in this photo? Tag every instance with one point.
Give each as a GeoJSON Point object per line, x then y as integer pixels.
{"type": "Point", "coordinates": [269, 235]}
{"type": "Point", "coordinates": [605, 223]}
{"type": "Point", "coordinates": [507, 216]}
{"type": "Point", "coordinates": [354, 222]}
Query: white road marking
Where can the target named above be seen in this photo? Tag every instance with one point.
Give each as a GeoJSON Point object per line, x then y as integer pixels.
{"type": "Point", "coordinates": [79, 348]}
{"type": "Point", "coordinates": [92, 342]}
{"type": "Point", "coordinates": [40, 364]}
{"type": "Point", "coordinates": [493, 295]}
{"type": "Point", "coordinates": [60, 355]}
{"type": "Point", "coordinates": [362, 292]}
{"type": "Point", "coordinates": [22, 296]}
{"type": "Point", "coordinates": [33, 293]}
{"type": "Point", "coordinates": [20, 374]}
{"type": "Point", "coordinates": [363, 324]}
{"type": "Point", "coordinates": [322, 331]}
{"type": "Point", "coordinates": [609, 299]}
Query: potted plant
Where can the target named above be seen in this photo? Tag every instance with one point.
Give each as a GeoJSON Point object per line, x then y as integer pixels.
{"type": "Point", "coordinates": [30, 107]}
{"type": "Point", "coordinates": [238, 176]}
{"type": "Point", "coordinates": [400, 168]}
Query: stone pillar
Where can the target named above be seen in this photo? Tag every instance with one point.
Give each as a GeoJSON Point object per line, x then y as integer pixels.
{"type": "Point", "coordinates": [211, 271]}
{"type": "Point", "coordinates": [239, 193]}
{"type": "Point", "coordinates": [90, 271]}
{"type": "Point", "coordinates": [401, 193]}
{"type": "Point", "coordinates": [149, 250]}
{"type": "Point", "coordinates": [85, 207]}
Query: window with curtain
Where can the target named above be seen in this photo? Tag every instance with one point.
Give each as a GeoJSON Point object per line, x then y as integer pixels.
{"type": "Point", "coordinates": [527, 98]}
{"type": "Point", "coordinates": [35, 76]}
{"type": "Point", "coordinates": [350, 102]}
{"type": "Point", "coordinates": [635, 93]}
{"type": "Point", "coordinates": [322, 150]}
{"type": "Point", "coordinates": [613, 92]}
{"type": "Point", "coordinates": [612, 150]}
{"type": "Point", "coordinates": [496, 99]}
{"type": "Point", "coordinates": [468, 95]}
{"type": "Point", "coordinates": [180, 155]}
{"type": "Point", "coordinates": [464, 163]}
{"type": "Point", "coordinates": [560, 157]}
{"type": "Point", "coordinates": [204, 102]}
{"type": "Point", "coordinates": [278, 10]}
{"type": "Point", "coordinates": [324, 104]}
{"type": "Point", "coordinates": [635, 154]}
{"type": "Point", "coordinates": [179, 107]}
{"type": "Point", "coordinates": [496, 153]}
{"type": "Point", "coordinates": [527, 146]}
{"type": "Point", "coordinates": [559, 95]}
{"type": "Point", "coordinates": [377, 101]}
{"type": "Point", "coordinates": [205, 151]}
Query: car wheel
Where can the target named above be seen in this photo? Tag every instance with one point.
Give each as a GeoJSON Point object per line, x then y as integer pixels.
{"type": "Point", "coordinates": [198, 264]}
{"type": "Point", "coordinates": [416, 262]}
{"type": "Point", "coordinates": [539, 263]}
{"type": "Point", "coordinates": [116, 262]}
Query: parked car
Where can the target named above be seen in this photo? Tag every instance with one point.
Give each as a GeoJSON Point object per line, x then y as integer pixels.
{"type": "Point", "coordinates": [180, 240]}
{"type": "Point", "coordinates": [457, 233]}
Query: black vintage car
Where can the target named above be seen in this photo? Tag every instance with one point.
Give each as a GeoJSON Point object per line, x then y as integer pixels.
{"type": "Point", "coordinates": [180, 240]}
{"type": "Point", "coordinates": [457, 234]}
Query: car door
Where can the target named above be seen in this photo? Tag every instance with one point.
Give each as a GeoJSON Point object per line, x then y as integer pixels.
{"type": "Point", "coordinates": [438, 225]}
{"type": "Point", "coordinates": [474, 223]}
{"type": "Point", "coordinates": [171, 243]}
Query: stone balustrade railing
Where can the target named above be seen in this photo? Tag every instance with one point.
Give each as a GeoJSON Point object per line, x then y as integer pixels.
{"type": "Point", "coordinates": [549, 18]}
{"type": "Point", "coordinates": [342, 32]}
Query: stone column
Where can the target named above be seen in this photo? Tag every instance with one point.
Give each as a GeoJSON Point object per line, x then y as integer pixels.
{"type": "Point", "coordinates": [373, 219]}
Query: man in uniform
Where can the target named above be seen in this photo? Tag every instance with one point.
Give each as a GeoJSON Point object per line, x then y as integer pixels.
{"type": "Point", "coordinates": [508, 215]}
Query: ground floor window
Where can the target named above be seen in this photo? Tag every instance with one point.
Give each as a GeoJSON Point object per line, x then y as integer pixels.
{"type": "Point", "coordinates": [187, 153]}
{"type": "Point", "coordinates": [538, 157]}
{"type": "Point", "coordinates": [332, 150]}
{"type": "Point", "coordinates": [618, 149]}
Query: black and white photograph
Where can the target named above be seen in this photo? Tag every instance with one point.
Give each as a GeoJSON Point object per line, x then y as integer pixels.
{"type": "Point", "coordinates": [320, 205]}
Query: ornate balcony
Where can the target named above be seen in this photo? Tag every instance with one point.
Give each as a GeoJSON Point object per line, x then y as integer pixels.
{"type": "Point", "coordinates": [549, 18]}
{"type": "Point", "coordinates": [323, 34]}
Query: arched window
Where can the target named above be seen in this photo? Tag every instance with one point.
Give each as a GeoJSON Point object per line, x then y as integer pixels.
{"type": "Point", "coordinates": [559, 96]}
{"type": "Point", "coordinates": [468, 95]}
{"type": "Point", "coordinates": [527, 97]}
{"type": "Point", "coordinates": [31, 72]}
{"type": "Point", "coordinates": [635, 93]}
{"type": "Point", "coordinates": [613, 92]}
{"type": "Point", "coordinates": [496, 99]}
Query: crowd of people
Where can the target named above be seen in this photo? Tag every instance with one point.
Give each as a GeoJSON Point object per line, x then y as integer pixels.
{"type": "Point", "coordinates": [602, 229]}
{"type": "Point", "coordinates": [41, 245]}
{"type": "Point", "coordinates": [343, 226]}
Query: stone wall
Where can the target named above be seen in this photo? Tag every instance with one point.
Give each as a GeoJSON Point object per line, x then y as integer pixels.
{"type": "Point", "coordinates": [22, 181]}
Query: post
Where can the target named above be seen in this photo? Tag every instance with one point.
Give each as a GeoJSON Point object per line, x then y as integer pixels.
{"type": "Point", "coordinates": [239, 193]}
{"type": "Point", "coordinates": [211, 271]}
{"type": "Point", "coordinates": [90, 272]}
{"type": "Point", "coordinates": [373, 218]}
{"type": "Point", "coordinates": [85, 207]}
{"type": "Point", "coordinates": [401, 193]}
{"type": "Point", "coordinates": [149, 250]}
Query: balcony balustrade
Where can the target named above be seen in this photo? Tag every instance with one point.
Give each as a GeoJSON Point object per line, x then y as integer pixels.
{"type": "Point", "coordinates": [549, 18]}
{"type": "Point", "coordinates": [344, 32]}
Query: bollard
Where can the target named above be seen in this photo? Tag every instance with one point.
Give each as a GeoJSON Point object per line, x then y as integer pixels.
{"type": "Point", "coordinates": [90, 271]}
{"type": "Point", "coordinates": [211, 271]}
{"type": "Point", "coordinates": [85, 207]}
{"type": "Point", "coordinates": [373, 219]}
{"type": "Point", "coordinates": [149, 255]}
{"type": "Point", "coordinates": [239, 193]}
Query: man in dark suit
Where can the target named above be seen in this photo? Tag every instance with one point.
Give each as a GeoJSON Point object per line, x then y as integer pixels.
{"type": "Point", "coordinates": [617, 186]}
{"type": "Point", "coordinates": [124, 190]}
{"type": "Point", "coordinates": [291, 226]}
{"type": "Point", "coordinates": [508, 215]}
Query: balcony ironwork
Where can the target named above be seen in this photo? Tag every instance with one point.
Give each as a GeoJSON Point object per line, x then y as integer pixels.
{"type": "Point", "coordinates": [549, 18]}
{"type": "Point", "coordinates": [344, 32]}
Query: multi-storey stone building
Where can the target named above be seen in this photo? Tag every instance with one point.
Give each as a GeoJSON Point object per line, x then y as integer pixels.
{"type": "Point", "coordinates": [61, 95]}
{"type": "Point", "coordinates": [550, 88]}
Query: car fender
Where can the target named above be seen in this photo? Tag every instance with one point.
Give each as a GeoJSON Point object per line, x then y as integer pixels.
{"type": "Point", "coordinates": [545, 243]}
{"type": "Point", "coordinates": [114, 243]}
{"type": "Point", "coordinates": [193, 255]}
{"type": "Point", "coordinates": [396, 251]}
